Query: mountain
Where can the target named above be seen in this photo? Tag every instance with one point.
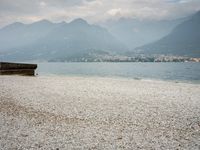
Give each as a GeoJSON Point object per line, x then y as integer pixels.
{"type": "Point", "coordinates": [18, 34]}
{"type": "Point", "coordinates": [183, 40]}
{"type": "Point", "coordinates": [44, 40]}
{"type": "Point", "coordinates": [135, 32]}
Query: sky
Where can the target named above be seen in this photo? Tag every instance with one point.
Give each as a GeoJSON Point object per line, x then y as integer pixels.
{"type": "Point", "coordinates": [94, 11]}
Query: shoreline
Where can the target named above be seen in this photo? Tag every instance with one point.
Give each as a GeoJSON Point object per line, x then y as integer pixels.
{"type": "Point", "coordinates": [120, 78]}
{"type": "Point", "coordinates": [49, 112]}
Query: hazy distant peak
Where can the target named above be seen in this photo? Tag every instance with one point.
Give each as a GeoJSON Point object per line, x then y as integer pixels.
{"type": "Point", "coordinates": [14, 25]}
{"type": "Point", "coordinates": [42, 22]}
{"type": "Point", "coordinates": [18, 24]}
{"type": "Point", "coordinates": [79, 21]}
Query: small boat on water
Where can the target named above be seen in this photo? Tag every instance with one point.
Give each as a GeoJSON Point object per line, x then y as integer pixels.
{"type": "Point", "coordinates": [8, 68]}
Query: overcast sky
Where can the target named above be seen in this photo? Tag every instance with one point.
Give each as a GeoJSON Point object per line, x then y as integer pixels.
{"type": "Point", "coordinates": [28, 11]}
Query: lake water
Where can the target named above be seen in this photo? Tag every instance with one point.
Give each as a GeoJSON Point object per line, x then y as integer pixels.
{"type": "Point", "coordinates": [186, 72]}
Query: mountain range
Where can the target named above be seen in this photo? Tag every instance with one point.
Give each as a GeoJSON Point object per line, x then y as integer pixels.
{"type": "Point", "coordinates": [44, 40]}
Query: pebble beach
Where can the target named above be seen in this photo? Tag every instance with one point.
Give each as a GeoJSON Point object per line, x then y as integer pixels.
{"type": "Point", "coordinates": [62, 112]}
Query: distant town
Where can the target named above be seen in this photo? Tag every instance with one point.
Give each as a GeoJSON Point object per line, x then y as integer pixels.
{"type": "Point", "coordinates": [123, 58]}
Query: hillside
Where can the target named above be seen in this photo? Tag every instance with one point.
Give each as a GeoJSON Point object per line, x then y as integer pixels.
{"type": "Point", "coordinates": [183, 40]}
{"type": "Point", "coordinates": [135, 32]}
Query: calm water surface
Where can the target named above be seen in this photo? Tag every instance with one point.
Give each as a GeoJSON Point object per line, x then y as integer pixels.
{"type": "Point", "coordinates": [187, 72]}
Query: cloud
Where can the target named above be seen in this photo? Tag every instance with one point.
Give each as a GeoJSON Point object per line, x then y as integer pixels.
{"type": "Point", "coordinates": [42, 4]}
{"type": "Point", "coordinates": [93, 10]}
{"type": "Point", "coordinates": [178, 1]}
{"type": "Point", "coordinates": [114, 12]}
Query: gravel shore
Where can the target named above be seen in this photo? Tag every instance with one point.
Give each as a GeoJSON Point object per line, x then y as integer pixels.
{"type": "Point", "coordinates": [98, 113]}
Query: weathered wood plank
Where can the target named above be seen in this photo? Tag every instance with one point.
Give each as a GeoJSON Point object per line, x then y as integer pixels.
{"type": "Point", "coordinates": [25, 72]}
{"type": "Point", "coordinates": [7, 68]}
